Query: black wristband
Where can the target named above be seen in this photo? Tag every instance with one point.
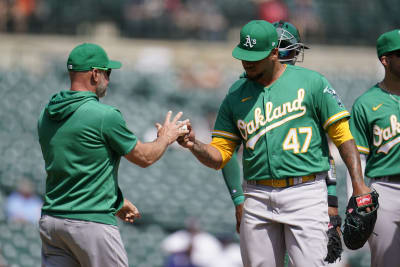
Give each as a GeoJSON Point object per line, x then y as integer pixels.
{"type": "Point", "coordinates": [335, 220]}
{"type": "Point", "coordinates": [332, 201]}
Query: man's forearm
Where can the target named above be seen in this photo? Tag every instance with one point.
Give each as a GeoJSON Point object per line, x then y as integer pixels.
{"type": "Point", "coordinates": [351, 157]}
{"type": "Point", "coordinates": [145, 154]}
{"type": "Point", "coordinates": [207, 154]}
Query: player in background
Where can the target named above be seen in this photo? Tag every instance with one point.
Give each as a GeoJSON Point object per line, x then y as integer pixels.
{"type": "Point", "coordinates": [375, 125]}
{"type": "Point", "coordinates": [281, 114]}
{"type": "Point", "coordinates": [291, 51]}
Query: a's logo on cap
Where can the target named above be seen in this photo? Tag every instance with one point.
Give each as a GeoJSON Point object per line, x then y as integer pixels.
{"type": "Point", "coordinates": [273, 44]}
{"type": "Point", "coordinates": [250, 42]}
{"type": "Point", "coordinates": [70, 67]}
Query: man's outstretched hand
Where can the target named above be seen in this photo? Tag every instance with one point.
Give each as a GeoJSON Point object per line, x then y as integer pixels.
{"type": "Point", "coordinates": [172, 129]}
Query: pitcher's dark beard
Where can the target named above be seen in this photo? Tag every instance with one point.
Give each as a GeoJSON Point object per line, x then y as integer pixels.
{"type": "Point", "coordinates": [257, 77]}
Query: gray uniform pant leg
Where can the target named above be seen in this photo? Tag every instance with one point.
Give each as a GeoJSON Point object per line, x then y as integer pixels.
{"type": "Point", "coordinates": [70, 243]}
{"type": "Point", "coordinates": [293, 219]}
{"type": "Point", "coordinates": [385, 239]}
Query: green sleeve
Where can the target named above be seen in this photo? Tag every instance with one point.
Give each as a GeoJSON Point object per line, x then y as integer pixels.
{"type": "Point", "coordinates": [331, 183]}
{"type": "Point", "coordinates": [231, 173]}
{"type": "Point", "coordinates": [329, 107]}
{"type": "Point", "coordinates": [225, 126]}
{"type": "Point", "coordinates": [332, 190]}
{"type": "Point", "coordinates": [116, 133]}
{"type": "Point", "coordinates": [359, 128]}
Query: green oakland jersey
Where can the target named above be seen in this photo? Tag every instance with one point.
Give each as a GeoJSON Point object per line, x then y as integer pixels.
{"type": "Point", "coordinates": [82, 141]}
{"type": "Point", "coordinates": [282, 126]}
{"type": "Point", "coordinates": [375, 126]}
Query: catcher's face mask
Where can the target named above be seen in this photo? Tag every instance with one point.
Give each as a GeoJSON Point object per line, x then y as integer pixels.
{"type": "Point", "coordinates": [290, 48]}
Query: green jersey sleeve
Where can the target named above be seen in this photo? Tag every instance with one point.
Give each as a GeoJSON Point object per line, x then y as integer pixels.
{"type": "Point", "coordinates": [116, 133]}
{"type": "Point", "coordinates": [224, 124]}
{"type": "Point", "coordinates": [359, 128]}
{"type": "Point", "coordinates": [329, 106]}
{"type": "Point", "coordinates": [231, 174]}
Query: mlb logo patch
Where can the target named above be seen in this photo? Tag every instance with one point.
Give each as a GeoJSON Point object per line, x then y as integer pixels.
{"type": "Point", "coordinates": [364, 200]}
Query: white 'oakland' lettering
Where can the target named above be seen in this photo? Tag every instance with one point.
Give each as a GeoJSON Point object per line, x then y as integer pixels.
{"type": "Point", "coordinates": [271, 114]}
{"type": "Point", "coordinates": [381, 135]}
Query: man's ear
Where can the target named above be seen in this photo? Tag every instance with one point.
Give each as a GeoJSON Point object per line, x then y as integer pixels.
{"type": "Point", "coordinates": [274, 54]}
{"type": "Point", "coordinates": [384, 60]}
{"type": "Point", "coordinates": [95, 75]}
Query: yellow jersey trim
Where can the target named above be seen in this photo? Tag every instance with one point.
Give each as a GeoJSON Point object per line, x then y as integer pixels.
{"type": "Point", "coordinates": [336, 117]}
{"type": "Point", "coordinates": [339, 132]}
{"type": "Point", "coordinates": [225, 147]}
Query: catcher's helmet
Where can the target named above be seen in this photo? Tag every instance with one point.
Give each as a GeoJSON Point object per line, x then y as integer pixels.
{"type": "Point", "coordinates": [288, 41]}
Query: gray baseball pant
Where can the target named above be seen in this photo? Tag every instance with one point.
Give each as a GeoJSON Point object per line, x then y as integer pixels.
{"type": "Point", "coordinates": [70, 243]}
{"type": "Point", "coordinates": [279, 219]}
{"type": "Point", "coordinates": [385, 239]}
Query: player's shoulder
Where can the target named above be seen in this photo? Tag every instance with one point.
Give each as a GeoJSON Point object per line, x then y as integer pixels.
{"type": "Point", "coordinates": [311, 80]}
{"type": "Point", "coordinates": [103, 109]}
{"type": "Point", "coordinates": [303, 72]}
{"type": "Point", "coordinates": [369, 96]}
{"type": "Point", "coordinates": [240, 84]}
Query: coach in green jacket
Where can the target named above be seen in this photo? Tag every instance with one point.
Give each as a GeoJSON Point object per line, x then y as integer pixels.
{"type": "Point", "coordinates": [82, 141]}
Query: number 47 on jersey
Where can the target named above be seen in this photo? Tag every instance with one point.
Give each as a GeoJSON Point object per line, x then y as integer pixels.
{"type": "Point", "coordinates": [291, 141]}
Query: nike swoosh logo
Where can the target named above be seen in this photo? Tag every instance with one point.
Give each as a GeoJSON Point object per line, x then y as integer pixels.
{"type": "Point", "coordinates": [377, 107]}
{"type": "Point", "coordinates": [245, 99]}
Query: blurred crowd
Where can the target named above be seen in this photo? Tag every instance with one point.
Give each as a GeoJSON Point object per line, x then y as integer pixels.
{"type": "Point", "coordinates": [209, 20]}
{"type": "Point", "coordinates": [193, 247]}
{"type": "Point", "coordinates": [162, 19]}
{"type": "Point", "coordinates": [23, 205]}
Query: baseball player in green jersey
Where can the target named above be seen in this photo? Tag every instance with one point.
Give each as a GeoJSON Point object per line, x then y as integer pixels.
{"type": "Point", "coordinates": [82, 141]}
{"type": "Point", "coordinates": [291, 50]}
{"type": "Point", "coordinates": [280, 113]}
{"type": "Point", "coordinates": [375, 125]}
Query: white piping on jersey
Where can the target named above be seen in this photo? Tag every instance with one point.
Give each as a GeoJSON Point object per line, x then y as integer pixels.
{"type": "Point", "coordinates": [225, 134]}
{"type": "Point", "coordinates": [335, 118]}
{"type": "Point", "coordinates": [386, 147]}
{"type": "Point", "coordinates": [363, 149]}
